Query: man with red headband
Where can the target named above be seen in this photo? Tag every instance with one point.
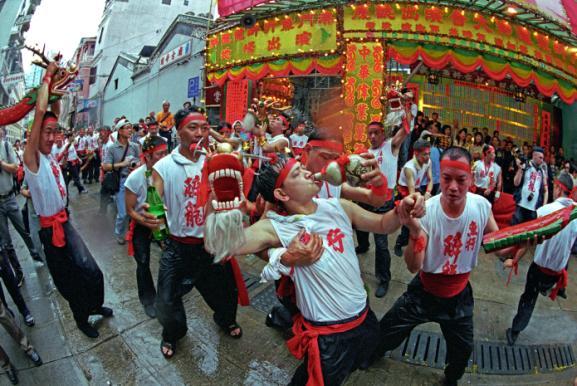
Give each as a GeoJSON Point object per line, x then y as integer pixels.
{"type": "Point", "coordinates": [324, 146]}
{"type": "Point", "coordinates": [278, 143]}
{"type": "Point", "coordinates": [488, 177]}
{"type": "Point", "coordinates": [386, 152]}
{"type": "Point", "coordinates": [177, 178]}
{"type": "Point", "coordinates": [73, 269]}
{"type": "Point", "coordinates": [531, 187]}
{"type": "Point", "coordinates": [140, 234]}
{"type": "Point", "coordinates": [298, 139]}
{"type": "Point", "coordinates": [547, 273]}
{"type": "Point", "coordinates": [335, 330]}
{"type": "Point", "coordinates": [443, 249]}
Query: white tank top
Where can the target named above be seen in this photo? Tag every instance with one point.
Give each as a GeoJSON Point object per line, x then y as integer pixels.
{"type": "Point", "coordinates": [181, 179]}
{"type": "Point", "coordinates": [454, 243]}
{"type": "Point", "coordinates": [531, 185]}
{"type": "Point", "coordinates": [298, 141]}
{"type": "Point", "coordinates": [486, 176]}
{"type": "Point", "coordinates": [555, 252]}
{"type": "Point", "coordinates": [387, 162]}
{"type": "Point", "coordinates": [329, 191]}
{"type": "Point", "coordinates": [47, 186]}
{"type": "Point", "coordinates": [136, 182]}
{"type": "Point", "coordinates": [332, 288]}
{"type": "Point", "coordinates": [419, 175]}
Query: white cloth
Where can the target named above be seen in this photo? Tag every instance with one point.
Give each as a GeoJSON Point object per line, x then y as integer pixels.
{"type": "Point", "coordinates": [181, 179]}
{"type": "Point", "coordinates": [137, 184]}
{"type": "Point", "coordinates": [555, 252]}
{"type": "Point", "coordinates": [298, 141]}
{"type": "Point", "coordinates": [387, 162]}
{"type": "Point", "coordinates": [486, 176]}
{"type": "Point", "coordinates": [532, 181]}
{"type": "Point", "coordinates": [454, 243]}
{"type": "Point", "coordinates": [47, 186]}
{"type": "Point", "coordinates": [81, 143]}
{"type": "Point", "coordinates": [332, 288]}
{"type": "Point", "coordinates": [419, 173]}
{"type": "Point", "coordinates": [329, 191]}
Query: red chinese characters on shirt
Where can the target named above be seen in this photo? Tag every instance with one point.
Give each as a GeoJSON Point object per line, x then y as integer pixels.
{"type": "Point", "coordinates": [532, 181]}
{"type": "Point", "coordinates": [193, 215]}
{"type": "Point", "coordinates": [452, 249]}
{"type": "Point", "coordinates": [472, 234]}
{"type": "Point", "coordinates": [56, 172]}
{"type": "Point", "coordinates": [335, 239]}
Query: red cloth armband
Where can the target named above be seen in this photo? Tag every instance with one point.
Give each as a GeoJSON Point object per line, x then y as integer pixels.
{"type": "Point", "coordinates": [419, 244]}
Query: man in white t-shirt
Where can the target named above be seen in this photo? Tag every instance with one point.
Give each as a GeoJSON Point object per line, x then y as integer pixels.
{"type": "Point", "coordinates": [488, 177]}
{"type": "Point", "coordinates": [152, 131]}
{"type": "Point", "coordinates": [298, 139]}
{"type": "Point", "coordinates": [72, 267]}
{"type": "Point", "coordinates": [548, 268]}
{"type": "Point", "coordinates": [415, 171]}
{"type": "Point", "coordinates": [443, 249]}
{"type": "Point", "coordinates": [531, 183]}
{"type": "Point", "coordinates": [386, 152]}
{"type": "Point", "coordinates": [177, 178]}
{"type": "Point", "coordinates": [330, 294]}
{"type": "Point", "coordinates": [142, 222]}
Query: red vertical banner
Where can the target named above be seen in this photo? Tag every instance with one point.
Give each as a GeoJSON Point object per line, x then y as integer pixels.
{"type": "Point", "coordinates": [535, 122]}
{"type": "Point", "coordinates": [545, 130]}
{"type": "Point", "coordinates": [362, 90]}
{"type": "Point", "coordinates": [236, 100]}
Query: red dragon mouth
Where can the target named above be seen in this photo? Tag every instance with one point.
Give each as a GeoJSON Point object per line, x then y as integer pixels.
{"type": "Point", "coordinates": [225, 178]}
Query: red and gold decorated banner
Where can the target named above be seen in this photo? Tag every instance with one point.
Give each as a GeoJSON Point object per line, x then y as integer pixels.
{"type": "Point", "coordinates": [362, 90]}
{"type": "Point", "coordinates": [545, 130]}
{"type": "Point", "coordinates": [236, 100]}
{"type": "Point", "coordinates": [289, 34]}
{"type": "Point", "coordinates": [456, 27]}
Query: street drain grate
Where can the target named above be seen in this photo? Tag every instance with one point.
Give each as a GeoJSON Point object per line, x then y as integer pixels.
{"type": "Point", "coordinates": [429, 349]}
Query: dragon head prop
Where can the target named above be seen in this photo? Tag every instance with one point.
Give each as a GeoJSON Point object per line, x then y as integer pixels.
{"type": "Point", "coordinates": [223, 228]}
{"type": "Point", "coordinates": [63, 76]}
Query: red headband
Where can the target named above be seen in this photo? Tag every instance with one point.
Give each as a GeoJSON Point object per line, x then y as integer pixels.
{"type": "Point", "coordinates": [284, 120]}
{"type": "Point", "coordinates": [562, 186]}
{"type": "Point", "coordinates": [456, 164]}
{"type": "Point", "coordinates": [327, 144]}
{"type": "Point", "coordinates": [186, 120]}
{"type": "Point", "coordinates": [49, 120]}
{"type": "Point", "coordinates": [284, 173]}
{"type": "Point", "coordinates": [162, 146]}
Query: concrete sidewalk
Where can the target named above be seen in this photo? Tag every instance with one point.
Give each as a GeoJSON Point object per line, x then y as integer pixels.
{"type": "Point", "coordinates": [127, 351]}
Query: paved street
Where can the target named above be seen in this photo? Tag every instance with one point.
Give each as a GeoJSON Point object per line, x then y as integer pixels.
{"type": "Point", "coordinates": [128, 353]}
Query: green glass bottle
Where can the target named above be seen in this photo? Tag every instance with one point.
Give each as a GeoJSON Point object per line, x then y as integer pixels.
{"type": "Point", "coordinates": [156, 207]}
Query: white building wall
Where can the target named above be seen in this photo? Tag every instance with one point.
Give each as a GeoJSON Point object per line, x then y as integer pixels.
{"type": "Point", "coordinates": [149, 90]}
{"type": "Point", "coordinates": [126, 26]}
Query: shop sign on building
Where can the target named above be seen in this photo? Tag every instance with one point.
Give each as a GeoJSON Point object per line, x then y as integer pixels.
{"type": "Point", "coordinates": [236, 99]}
{"type": "Point", "coordinates": [194, 87]}
{"type": "Point", "coordinates": [176, 54]}
{"type": "Point", "coordinates": [12, 79]}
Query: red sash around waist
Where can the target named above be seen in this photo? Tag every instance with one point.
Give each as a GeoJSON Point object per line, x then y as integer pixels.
{"type": "Point", "coordinates": [305, 342]}
{"type": "Point", "coordinates": [563, 279]}
{"type": "Point", "coordinates": [55, 222]}
{"type": "Point", "coordinates": [243, 299]}
{"type": "Point", "coordinates": [444, 286]}
{"type": "Point", "coordinates": [130, 236]}
{"type": "Point", "coordinates": [403, 190]}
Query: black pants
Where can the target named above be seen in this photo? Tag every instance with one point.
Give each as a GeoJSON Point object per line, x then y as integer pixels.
{"type": "Point", "coordinates": [168, 136]}
{"type": "Point", "coordinates": [182, 267]}
{"type": "Point", "coordinates": [343, 353]}
{"type": "Point", "coordinates": [523, 215]}
{"type": "Point", "coordinates": [96, 166]}
{"type": "Point", "coordinates": [537, 282]}
{"type": "Point", "coordinates": [382, 254]}
{"type": "Point", "coordinates": [11, 284]}
{"type": "Point", "coordinates": [88, 170]}
{"type": "Point", "coordinates": [75, 273]}
{"type": "Point", "coordinates": [141, 239]}
{"type": "Point", "coordinates": [73, 171]}
{"type": "Point", "coordinates": [415, 307]}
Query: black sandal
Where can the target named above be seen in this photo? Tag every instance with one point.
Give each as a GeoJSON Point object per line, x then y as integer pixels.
{"type": "Point", "coordinates": [228, 330]}
{"type": "Point", "coordinates": [169, 347]}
